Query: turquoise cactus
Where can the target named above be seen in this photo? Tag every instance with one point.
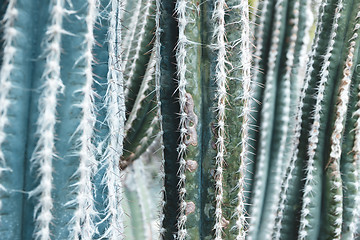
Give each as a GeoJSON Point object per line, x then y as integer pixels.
{"type": "Point", "coordinates": [63, 116]}
{"type": "Point", "coordinates": [151, 119]}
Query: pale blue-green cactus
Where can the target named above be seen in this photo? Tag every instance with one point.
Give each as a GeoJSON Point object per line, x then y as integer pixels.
{"type": "Point", "coordinates": [64, 109]}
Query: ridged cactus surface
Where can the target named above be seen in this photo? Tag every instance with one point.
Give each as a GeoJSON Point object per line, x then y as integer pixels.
{"type": "Point", "coordinates": [183, 119]}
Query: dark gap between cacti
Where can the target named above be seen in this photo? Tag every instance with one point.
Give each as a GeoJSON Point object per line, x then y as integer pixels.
{"type": "Point", "coordinates": [169, 108]}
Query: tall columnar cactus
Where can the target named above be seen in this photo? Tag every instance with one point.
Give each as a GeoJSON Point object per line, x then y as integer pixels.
{"type": "Point", "coordinates": [104, 104]}
{"type": "Point", "coordinates": [277, 72]}
{"type": "Point", "coordinates": [66, 101]}
{"type": "Point", "coordinates": [220, 123]}
{"type": "Point", "coordinates": [325, 145]}
{"type": "Point", "coordinates": [220, 147]}
{"type": "Point", "coordinates": [208, 93]}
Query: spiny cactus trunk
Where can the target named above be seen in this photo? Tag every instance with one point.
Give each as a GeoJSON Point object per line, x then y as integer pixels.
{"type": "Point", "coordinates": [325, 120]}
{"type": "Point", "coordinates": [63, 116]}
{"type": "Point", "coordinates": [277, 72]}
{"type": "Point", "coordinates": [209, 94]}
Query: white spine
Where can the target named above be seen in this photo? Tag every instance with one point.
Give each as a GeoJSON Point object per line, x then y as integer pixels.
{"type": "Point", "coordinates": [246, 60]}
{"type": "Point", "coordinates": [121, 14]}
{"type": "Point", "coordinates": [181, 68]}
{"type": "Point", "coordinates": [221, 92]}
{"type": "Point", "coordinates": [82, 224]}
{"type": "Point", "coordinates": [7, 67]}
{"type": "Point", "coordinates": [115, 119]}
{"type": "Point", "coordinates": [314, 132]}
{"type": "Point", "coordinates": [44, 152]}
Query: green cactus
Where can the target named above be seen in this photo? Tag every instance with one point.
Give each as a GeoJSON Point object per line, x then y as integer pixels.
{"type": "Point", "coordinates": [184, 119]}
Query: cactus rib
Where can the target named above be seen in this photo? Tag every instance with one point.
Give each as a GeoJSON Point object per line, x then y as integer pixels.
{"type": "Point", "coordinates": [115, 118]}
{"type": "Point", "coordinates": [44, 152]}
{"type": "Point", "coordinates": [246, 66]}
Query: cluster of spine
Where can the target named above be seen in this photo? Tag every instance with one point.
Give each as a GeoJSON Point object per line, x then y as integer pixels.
{"type": "Point", "coordinates": [45, 148]}
{"type": "Point", "coordinates": [83, 226]}
{"type": "Point", "coordinates": [245, 148]}
{"type": "Point", "coordinates": [181, 9]}
{"type": "Point", "coordinates": [7, 67]}
{"type": "Point", "coordinates": [221, 78]}
{"type": "Point", "coordinates": [115, 118]}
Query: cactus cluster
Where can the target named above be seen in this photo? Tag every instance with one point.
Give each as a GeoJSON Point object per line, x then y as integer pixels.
{"type": "Point", "coordinates": [68, 123]}
{"type": "Point", "coordinates": [183, 119]}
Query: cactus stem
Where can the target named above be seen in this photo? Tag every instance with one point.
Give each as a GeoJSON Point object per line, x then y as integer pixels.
{"type": "Point", "coordinates": [259, 36]}
{"type": "Point", "coordinates": [44, 152]}
{"type": "Point", "coordinates": [246, 66]}
{"type": "Point", "coordinates": [290, 57]}
{"type": "Point", "coordinates": [297, 132]}
{"type": "Point", "coordinates": [82, 225]}
{"type": "Point", "coordinates": [157, 48]}
{"type": "Point", "coordinates": [115, 118]}
{"type": "Point", "coordinates": [221, 76]}
{"type": "Point", "coordinates": [356, 152]}
{"type": "Point", "coordinates": [356, 163]}
{"type": "Point", "coordinates": [132, 67]}
{"type": "Point", "coordinates": [180, 58]}
{"type": "Point", "coordinates": [266, 119]}
{"type": "Point", "coordinates": [333, 167]}
{"type": "Point", "coordinates": [139, 174]}
{"type": "Point", "coordinates": [314, 132]}
{"type": "Point", "coordinates": [130, 34]}
{"type": "Point", "coordinates": [141, 95]}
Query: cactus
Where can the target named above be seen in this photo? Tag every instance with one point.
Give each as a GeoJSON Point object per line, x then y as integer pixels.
{"type": "Point", "coordinates": [63, 101]}
{"type": "Point", "coordinates": [212, 142]}
{"type": "Point", "coordinates": [184, 119]}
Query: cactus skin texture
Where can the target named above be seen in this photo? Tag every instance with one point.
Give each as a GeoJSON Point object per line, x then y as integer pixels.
{"type": "Point", "coordinates": [183, 119]}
